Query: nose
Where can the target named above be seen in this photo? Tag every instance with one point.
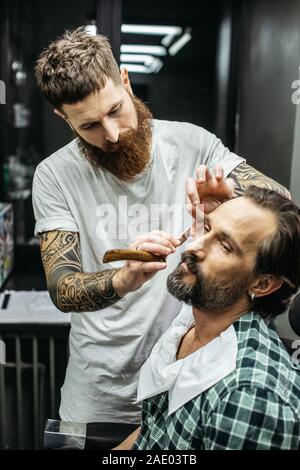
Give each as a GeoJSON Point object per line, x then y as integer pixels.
{"type": "Point", "coordinates": [111, 132]}
{"type": "Point", "coordinates": [200, 246]}
{"type": "Point", "coordinates": [196, 245]}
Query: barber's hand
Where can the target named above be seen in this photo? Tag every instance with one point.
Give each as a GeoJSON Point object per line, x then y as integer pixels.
{"type": "Point", "coordinates": [208, 189]}
{"type": "Point", "coordinates": [135, 273]}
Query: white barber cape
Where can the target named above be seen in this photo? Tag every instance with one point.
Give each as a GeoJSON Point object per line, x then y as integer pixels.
{"type": "Point", "coordinates": [186, 378]}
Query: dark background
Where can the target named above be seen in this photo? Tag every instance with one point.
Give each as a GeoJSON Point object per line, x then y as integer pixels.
{"type": "Point", "coordinates": [233, 78]}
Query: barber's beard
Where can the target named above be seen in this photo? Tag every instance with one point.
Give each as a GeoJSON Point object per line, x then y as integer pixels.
{"type": "Point", "coordinates": [205, 293]}
{"type": "Point", "coordinates": [129, 156]}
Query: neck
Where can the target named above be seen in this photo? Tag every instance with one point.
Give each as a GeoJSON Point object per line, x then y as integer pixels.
{"type": "Point", "coordinates": [210, 324]}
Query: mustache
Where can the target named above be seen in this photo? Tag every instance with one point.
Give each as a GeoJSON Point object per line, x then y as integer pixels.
{"type": "Point", "coordinates": [191, 260]}
{"type": "Point", "coordinates": [125, 138]}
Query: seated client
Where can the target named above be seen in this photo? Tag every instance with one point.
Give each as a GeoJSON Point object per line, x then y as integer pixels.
{"type": "Point", "coordinates": [220, 377]}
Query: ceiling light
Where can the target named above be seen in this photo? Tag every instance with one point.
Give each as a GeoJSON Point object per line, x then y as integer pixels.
{"type": "Point", "coordinates": [149, 61]}
{"type": "Point", "coordinates": [180, 43]}
{"type": "Point", "coordinates": [150, 65]}
{"type": "Point", "coordinates": [91, 29]}
{"type": "Point", "coordinates": [145, 58]}
{"type": "Point", "coordinates": [166, 41]}
{"type": "Point", "coordinates": [143, 49]}
{"type": "Point", "coordinates": [136, 68]}
{"type": "Point", "coordinates": [151, 29]}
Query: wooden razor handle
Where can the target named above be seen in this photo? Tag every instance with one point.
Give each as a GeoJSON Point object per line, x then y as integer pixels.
{"type": "Point", "coordinates": [138, 255]}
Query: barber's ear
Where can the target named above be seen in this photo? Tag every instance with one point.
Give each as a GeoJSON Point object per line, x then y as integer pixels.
{"type": "Point", "coordinates": [264, 285]}
{"type": "Point", "coordinates": [125, 80]}
{"type": "Point", "coordinates": [59, 113]}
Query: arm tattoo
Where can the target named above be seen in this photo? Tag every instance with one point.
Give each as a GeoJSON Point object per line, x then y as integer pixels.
{"type": "Point", "coordinates": [71, 289]}
{"type": "Point", "coordinates": [245, 176]}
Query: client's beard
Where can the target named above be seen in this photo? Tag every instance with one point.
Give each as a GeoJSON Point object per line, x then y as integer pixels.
{"type": "Point", "coordinates": [205, 294]}
{"type": "Point", "coordinates": [130, 155]}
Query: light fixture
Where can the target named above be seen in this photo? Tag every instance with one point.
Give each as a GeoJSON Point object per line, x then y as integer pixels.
{"type": "Point", "coordinates": [151, 29]}
{"type": "Point", "coordinates": [150, 64]}
{"type": "Point", "coordinates": [180, 43]}
{"type": "Point", "coordinates": [91, 28]}
{"type": "Point", "coordinates": [138, 58]}
{"type": "Point", "coordinates": [145, 58]}
{"type": "Point", "coordinates": [136, 68]}
{"type": "Point", "coordinates": [143, 49]}
{"type": "Point", "coordinates": [166, 41]}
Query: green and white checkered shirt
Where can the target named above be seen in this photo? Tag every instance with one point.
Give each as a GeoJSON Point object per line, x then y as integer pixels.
{"type": "Point", "coordinates": [257, 406]}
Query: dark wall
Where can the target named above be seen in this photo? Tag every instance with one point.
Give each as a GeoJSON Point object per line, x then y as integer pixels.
{"type": "Point", "coordinates": [3, 77]}
{"type": "Point", "coordinates": [270, 52]}
{"type": "Point", "coordinates": [184, 89]}
{"type": "Point", "coordinates": [19, 34]}
{"type": "Point", "coordinates": [57, 16]}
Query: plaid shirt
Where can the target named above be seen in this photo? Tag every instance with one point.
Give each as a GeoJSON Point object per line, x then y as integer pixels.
{"type": "Point", "coordinates": [255, 407]}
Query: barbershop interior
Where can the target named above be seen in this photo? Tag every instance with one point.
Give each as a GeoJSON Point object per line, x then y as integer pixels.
{"type": "Point", "coordinates": [230, 67]}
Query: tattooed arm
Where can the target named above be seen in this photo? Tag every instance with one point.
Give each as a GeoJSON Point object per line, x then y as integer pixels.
{"type": "Point", "coordinates": [71, 289]}
{"type": "Point", "coordinates": [245, 175]}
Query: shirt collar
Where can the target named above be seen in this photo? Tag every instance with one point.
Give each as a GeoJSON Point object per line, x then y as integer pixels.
{"type": "Point", "coordinates": [186, 378]}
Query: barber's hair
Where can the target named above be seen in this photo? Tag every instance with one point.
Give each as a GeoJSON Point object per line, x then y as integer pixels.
{"type": "Point", "coordinates": [279, 254]}
{"type": "Point", "coordinates": [74, 66]}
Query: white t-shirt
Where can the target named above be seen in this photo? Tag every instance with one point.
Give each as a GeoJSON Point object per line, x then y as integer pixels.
{"type": "Point", "coordinates": [108, 347]}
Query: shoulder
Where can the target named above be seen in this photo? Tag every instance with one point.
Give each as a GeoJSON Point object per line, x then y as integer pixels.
{"type": "Point", "coordinates": [262, 357]}
{"type": "Point", "coordinates": [179, 132]}
{"type": "Point", "coordinates": [65, 163]}
{"type": "Point", "coordinates": [252, 418]}
{"type": "Point", "coordinates": [65, 156]}
{"type": "Point", "coordinates": [264, 369]}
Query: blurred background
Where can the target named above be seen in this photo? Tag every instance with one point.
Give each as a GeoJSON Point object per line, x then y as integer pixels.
{"type": "Point", "coordinates": [230, 66]}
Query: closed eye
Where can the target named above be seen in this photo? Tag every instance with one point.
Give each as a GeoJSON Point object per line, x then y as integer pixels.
{"type": "Point", "coordinates": [226, 247]}
{"type": "Point", "coordinates": [90, 126]}
{"type": "Point", "coordinates": [114, 111]}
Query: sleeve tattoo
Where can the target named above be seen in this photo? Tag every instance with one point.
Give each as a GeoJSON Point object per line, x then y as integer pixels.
{"type": "Point", "coordinates": [245, 176]}
{"type": "Point", "coordinates": [71, 289]}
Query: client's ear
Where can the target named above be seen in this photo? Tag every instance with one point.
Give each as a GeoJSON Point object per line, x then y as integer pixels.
{"type": "Point", "coordinates": [265, 284]}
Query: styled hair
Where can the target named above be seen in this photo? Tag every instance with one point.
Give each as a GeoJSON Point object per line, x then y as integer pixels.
{"type": "Point", "coordinates": [280, 254]}
{"type": "Point", "coordinates": [74, 66]}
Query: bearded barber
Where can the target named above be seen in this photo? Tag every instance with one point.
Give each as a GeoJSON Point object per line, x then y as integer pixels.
{"type": "Point", "coordinates": [118, 313]}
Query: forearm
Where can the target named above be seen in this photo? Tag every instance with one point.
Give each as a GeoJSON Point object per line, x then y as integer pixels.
{"type": "Point", "coordinates": [70, 288]}
{"type": "Point", "coordinates": [82, 292]}
{"type": "Point", "coordinates": [245, 176]}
